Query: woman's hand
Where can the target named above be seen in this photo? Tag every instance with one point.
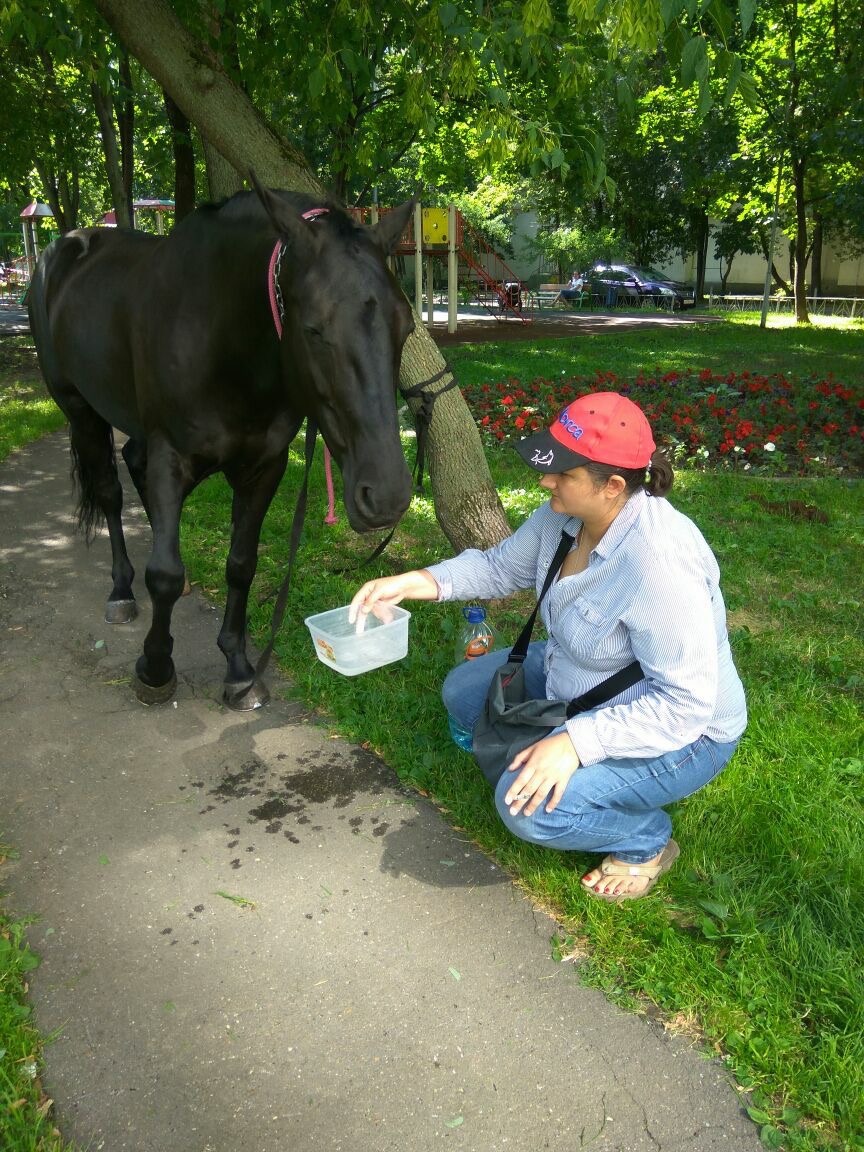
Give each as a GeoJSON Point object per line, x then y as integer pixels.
{"type": "Point", "coordinates": [389, 590]}
{"type": "Point", "coordinates": [543, 767]}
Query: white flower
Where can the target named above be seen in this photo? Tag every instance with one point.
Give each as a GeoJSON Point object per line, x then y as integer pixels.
{"type": "Point", "coordinates": [738, 448]}
{"type": "Point", "coordinates": [769, 447]}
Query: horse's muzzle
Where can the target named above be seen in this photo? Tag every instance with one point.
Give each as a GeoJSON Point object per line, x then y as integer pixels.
{"type": "Point", "coordinates": [377, 504]}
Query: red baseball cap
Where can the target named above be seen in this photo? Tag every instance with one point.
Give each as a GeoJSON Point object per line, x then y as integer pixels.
{"type": "Point", "coordinates": [602, 427]}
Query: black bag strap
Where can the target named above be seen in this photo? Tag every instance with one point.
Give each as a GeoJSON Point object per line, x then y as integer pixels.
{"type": "Point", "coordinates": [520, 649]}
{"type": "Point", "coordinates": [606, 689]}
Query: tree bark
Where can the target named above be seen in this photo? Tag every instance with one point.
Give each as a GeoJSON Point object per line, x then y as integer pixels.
{"type": "Point", "coordinates": [802, 316]}
{"type": "Point", "coordinates": [126, 129]}
{"type": "Point", "coordinates": [223, 179]}
{"type": "Point", "coordinates": [816, 258]}
{"type": "Point", "coordinates": [466, 503]}
{"type": "Point", "coordinates": [184, 159]}
{"type": "Point", "coordinates": [52, 194]}
{"type": "Point", "coordinates": [105, 115]}
{"type": "Point", "coordinates": [702, 230]}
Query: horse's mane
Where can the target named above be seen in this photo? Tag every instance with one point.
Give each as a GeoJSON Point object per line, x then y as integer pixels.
{"type": "Point", "coordinates": [247, 206]}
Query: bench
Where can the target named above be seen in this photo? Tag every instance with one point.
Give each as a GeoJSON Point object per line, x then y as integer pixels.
{"type": "Point", "coordinates": [548, 295]}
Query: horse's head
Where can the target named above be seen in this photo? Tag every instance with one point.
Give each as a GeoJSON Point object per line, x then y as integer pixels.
{"type": "Point", "coordinates": [345, 323]}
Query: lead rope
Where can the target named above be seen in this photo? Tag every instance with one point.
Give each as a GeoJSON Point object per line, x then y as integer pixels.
{"type": "Point", "coordinates": [278, 311]}
{"type": "Point", "coordinates": [423, 422]}
{"type": "Point", "coordinates": [277, 308]}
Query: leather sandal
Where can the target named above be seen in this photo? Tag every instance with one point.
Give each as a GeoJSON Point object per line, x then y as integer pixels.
{"type": "Point", "coordinates": [609, 868]}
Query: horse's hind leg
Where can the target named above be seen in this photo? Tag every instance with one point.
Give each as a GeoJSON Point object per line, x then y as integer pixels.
{"type": "Point", "coordinates": [135, 455]}
{"type": "Point", "coordinates": [168, 483]}
{"type": "Point", "coordinates": [252, 497]}
{"type": "Point", "coordinates": [100, 495]}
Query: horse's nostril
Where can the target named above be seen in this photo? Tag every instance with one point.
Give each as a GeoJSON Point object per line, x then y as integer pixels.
{"type": "Point", "coordinates": [364, 498]}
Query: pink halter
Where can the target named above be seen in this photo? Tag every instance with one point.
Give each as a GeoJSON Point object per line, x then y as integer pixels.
{"type": "Point", "coordinates": [272, 286]}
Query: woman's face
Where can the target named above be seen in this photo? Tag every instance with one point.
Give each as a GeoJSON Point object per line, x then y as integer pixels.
{"type": "Point", "coordinates": [573, 493]}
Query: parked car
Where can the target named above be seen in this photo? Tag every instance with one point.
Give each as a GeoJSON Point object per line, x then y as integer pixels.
{"type": "Point", "coordinates": [611, 281]}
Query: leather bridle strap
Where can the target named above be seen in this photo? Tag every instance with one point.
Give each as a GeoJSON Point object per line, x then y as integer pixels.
{"type": "Point", "coordinates": [296, 530]}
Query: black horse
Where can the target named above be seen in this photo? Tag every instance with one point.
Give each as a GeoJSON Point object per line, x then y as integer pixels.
{"type": "Point", "coordinates": [175, 341]}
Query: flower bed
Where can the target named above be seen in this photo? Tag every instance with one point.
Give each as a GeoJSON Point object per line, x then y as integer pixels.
{"type": "Point", "coordinates": [772, 424]}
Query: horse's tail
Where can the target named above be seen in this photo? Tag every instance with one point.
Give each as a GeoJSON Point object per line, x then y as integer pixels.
{"type": "Point", "coordinates": [88, 475]}
{"type": "Point", "coordinates": [92, 451]}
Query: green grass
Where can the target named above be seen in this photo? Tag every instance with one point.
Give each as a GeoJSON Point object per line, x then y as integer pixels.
{"type": "Point", "coordinates": [734, 344]}
{"type": "Point", "coordinates": [25, 1111]}
{"type": "Point", "coordinates": [26, 411]}
{"type": "Point", "coordinates": [755, 939]}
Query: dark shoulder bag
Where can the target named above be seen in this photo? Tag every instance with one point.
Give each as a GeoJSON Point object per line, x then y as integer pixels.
{"type": "Point", "coordinates": [509, 722]}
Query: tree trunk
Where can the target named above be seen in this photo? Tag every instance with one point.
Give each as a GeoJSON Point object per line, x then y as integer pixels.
{"type": "Point", "coordinates": [775, 275]}
{"type": "Point", "coordinates": [184, 159]}
{"type": "Point", "coordinates": [466, 503]}
{"type": "Point", "coordinates": [802, 316]}
{"type": "Point", "coordinates": [105, 115]}
{"type": "Point", "coordinates": [816, 258]}
{"type": "Point", "coordinates": [52, 194]}
{"type": "Point", "coordinates": [223, 179]}
{"type": "Point", "coordinates": [702, 229]}
{"type": "Point", "coordinates": [70, 195]}
{"type": "Point", "coordinates": [126, 129]}
{"type": "Point", "coordinates": [724, 276]}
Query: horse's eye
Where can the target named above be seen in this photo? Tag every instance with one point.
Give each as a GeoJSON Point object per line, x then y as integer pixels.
{"type": "Point", "coordinates": [313, 333]}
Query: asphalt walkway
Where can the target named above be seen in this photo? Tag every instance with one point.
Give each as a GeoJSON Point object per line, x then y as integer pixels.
{"type": "Point", "coordinates": [253, 937]}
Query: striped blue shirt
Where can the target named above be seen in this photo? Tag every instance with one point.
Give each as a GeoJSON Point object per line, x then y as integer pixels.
{"type": "Point", "coordinates": [651, 592]}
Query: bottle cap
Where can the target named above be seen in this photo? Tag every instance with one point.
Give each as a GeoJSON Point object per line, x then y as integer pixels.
{"type": "Point", "coordinates": [474, 615]}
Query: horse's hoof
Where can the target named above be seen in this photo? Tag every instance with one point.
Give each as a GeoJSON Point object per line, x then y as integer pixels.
{"type": "Point", "coordinates": [120, 611]}
{"type": "Point", "coordinates": [149, 695]}
{"type": "Point", "coordinates": [245, 699]}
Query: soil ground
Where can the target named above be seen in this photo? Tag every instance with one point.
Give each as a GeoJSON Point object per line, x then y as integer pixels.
{"type": "Point", "coordinates": [252, 935]}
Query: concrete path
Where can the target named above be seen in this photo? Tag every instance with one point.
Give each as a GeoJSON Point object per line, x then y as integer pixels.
{"type": "Point", "coordinates": [253, 937]}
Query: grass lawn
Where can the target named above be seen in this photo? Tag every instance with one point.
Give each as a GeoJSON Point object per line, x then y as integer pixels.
{"type": "Point", "coordinates": [755, 939]}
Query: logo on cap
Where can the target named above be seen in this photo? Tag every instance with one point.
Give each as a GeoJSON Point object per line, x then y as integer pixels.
{"type": "Point", "coordinates": [570, 425]}
{"type": "Point", "coordinates": [543, 460]}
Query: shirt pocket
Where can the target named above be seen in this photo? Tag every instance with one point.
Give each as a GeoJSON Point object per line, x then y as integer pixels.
{"type": "Point", "coordinates": [588, 636]}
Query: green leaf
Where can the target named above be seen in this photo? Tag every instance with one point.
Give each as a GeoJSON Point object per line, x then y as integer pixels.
{"type": "Point", "coordinates": [456, 1122]}
{"type": "Point", "coordinates": [714, 908]}
{"type": "Point", "coordinates": [709, 929]}
{"type": "Point", "coordinates": [671, 10]}
{"type": "Point", "coordinates": [758, 1116]}
{"type": "Point", "coordinates": [732, 79]}
{"type": "Point", "coordinates": [28, 961]}
{"type": "Point", "coordinates": [706, 98]}
{"type": "Point", "coordinates": [746, 11]}
{"type": "Point", "coordinates": [317, 80]}
{"type": "Point", "coordinates": [447, 14]}
{"type": "Point", "coordinates": [771, 1137]}
{"type": "Point", "coordinates": [456, 975]}
{"type": "Point", "coordinates": [694, 59]}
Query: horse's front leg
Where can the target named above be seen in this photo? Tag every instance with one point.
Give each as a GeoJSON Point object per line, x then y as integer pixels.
{"type": "Point", "coordinates": [252, 497]}
{"type": "Point", "coordinates": [169, 481]}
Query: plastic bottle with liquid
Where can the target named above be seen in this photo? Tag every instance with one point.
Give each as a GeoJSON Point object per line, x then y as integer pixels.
{"type": "Point", "coordinates": [476, 638]}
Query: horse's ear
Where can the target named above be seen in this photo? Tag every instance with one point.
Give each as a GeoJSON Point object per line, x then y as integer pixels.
{"type": "Point", "coordinates": [391, 226]}
{"type": "Point", "coordinates": [285, 219]}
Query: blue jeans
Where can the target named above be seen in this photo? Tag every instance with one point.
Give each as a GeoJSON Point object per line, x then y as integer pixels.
{"type": "Point", "coordinates": [615, 806]}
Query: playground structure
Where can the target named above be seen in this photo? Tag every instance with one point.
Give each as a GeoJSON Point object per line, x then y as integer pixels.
{"type": "Point", "coordinates": [475, 271]}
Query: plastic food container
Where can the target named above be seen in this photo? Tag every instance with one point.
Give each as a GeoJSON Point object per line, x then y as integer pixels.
{"type": "Point", "coordinates": [340, 646]}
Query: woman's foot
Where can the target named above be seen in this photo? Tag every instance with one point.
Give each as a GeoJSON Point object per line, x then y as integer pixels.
{"type": "Point", "coordinates": [616, 880]}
